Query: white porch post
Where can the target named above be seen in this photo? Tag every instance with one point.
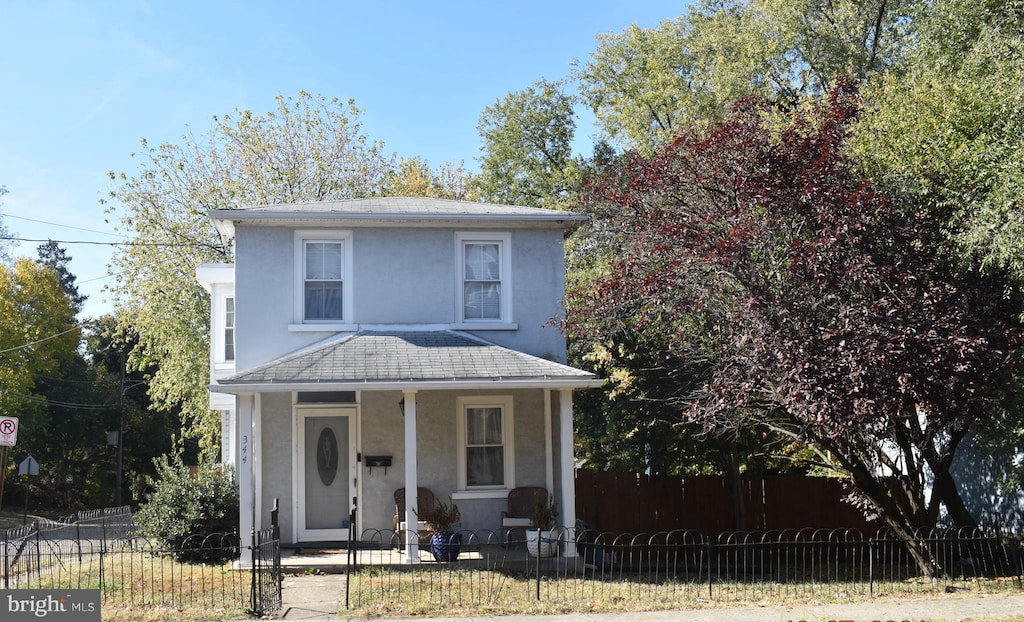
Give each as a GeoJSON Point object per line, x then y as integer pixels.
{"type": "Point", "coordinates": [568, 468]}
{"type": "Point", "coordinates": [412, 545]}
{"type": "Point", "coordinates": [245, 474]}
{"type": "Point", "coordinates": [549, 453]}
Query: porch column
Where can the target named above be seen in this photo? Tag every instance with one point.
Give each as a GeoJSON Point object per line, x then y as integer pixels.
{"type": "Point", "coordinates": [549, 458]}
{"type": "Point", "coordinates": [567, 470]}
{"type": "Point", "coordinates": [246, 474]}
{"type": "Point", "coordinates": [412, 545]}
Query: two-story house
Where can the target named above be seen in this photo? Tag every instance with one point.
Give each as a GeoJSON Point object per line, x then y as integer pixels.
{"type": "Point", "coordinates": [362, 346]}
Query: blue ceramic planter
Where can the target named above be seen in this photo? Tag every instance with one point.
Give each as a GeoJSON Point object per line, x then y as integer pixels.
{"type": "Point", "coordinates": [446, 546]}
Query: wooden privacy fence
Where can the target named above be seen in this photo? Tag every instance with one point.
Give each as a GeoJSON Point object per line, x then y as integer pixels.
{"type": "Point", "coordinates": [618, 502]}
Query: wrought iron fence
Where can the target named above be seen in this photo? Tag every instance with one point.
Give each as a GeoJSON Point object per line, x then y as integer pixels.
{"type": "Point", "coordinates": [671, 568]}
{"type": "Point", "coordinates": [101, 550]}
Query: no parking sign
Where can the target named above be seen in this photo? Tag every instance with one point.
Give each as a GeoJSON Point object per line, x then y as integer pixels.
{"type": "Point", "coordinates": [8, 431]}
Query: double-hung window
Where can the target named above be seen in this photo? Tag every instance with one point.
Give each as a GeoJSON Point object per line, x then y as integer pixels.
{"type": "Point", "coordinates": [229, 329]}
{"type": "Point", "coordinates": [484, 288]}
{"type": "Point", "coordinates": [324, 277]}
{"type": "Point", "coordinates": [485, 443]}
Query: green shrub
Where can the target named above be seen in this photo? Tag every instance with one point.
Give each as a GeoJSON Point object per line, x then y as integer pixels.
{"type": "Point", "coordinates": [189, 508]}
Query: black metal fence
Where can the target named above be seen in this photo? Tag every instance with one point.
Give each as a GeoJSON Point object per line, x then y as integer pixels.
{"type": "Point", "coordinates": [101, 550]}
{"type": "Point", "coordinates": [676, 567]}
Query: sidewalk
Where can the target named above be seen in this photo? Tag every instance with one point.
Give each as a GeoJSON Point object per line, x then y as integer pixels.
{"type": "Point", "coordinates": [321, 597]}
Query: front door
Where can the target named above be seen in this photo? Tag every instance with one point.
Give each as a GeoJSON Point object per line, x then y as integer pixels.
{"type": "Point", "coordinates": [326, 458]}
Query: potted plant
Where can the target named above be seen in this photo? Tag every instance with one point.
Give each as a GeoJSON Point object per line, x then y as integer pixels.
{"type": "Point", "coordinates": [445, 542]}
{"type": "Point", "coordinates": [542, 538]}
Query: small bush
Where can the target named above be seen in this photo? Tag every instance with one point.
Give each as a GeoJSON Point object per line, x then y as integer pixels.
{"type": "Point", "coordinates": [187, 505]}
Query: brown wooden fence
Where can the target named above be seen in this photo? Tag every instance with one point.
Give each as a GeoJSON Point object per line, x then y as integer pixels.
{"type": "Point", "coordinates": [637, 503]}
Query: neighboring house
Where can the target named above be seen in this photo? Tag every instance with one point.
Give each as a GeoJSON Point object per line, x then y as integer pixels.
{"type": "Point", "coordinates": [407, 332]}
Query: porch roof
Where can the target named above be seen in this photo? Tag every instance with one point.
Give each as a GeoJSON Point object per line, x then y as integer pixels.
{"type": "Point", "coordinates": [397, 360]}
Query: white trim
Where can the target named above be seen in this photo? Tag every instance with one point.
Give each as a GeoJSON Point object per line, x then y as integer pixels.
{"type": "Point", "coordinates": [484, 326]}
{"type": "Point", "coordinates": [493, 493]}
{"type": "Point", "coordinates": [301, 237]}
{"type": "Point", "coordinates": [549, 459]}
{"type": "Point", "coordinates": [504, 241]}
{"type": "Point", "coordinates": [257, 457]}
{"type": "Point", "coordinates": [412, 547]}
{"type": "Point", "coordinates": [244, 471]}
{"type": "Point", "coordinates": [504, 402]}
{"type": "Point", "coordinates": [567, 467]}
{"type": "Point", "coordinates": [586, 382]}
{"type": "Point", "coordinates": [323, 328]}
{"type": "Point", "coordinates": [301, 412]}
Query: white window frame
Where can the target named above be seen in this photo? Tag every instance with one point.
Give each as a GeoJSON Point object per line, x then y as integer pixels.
{"type": "Point", "coordinates": [346, 322]}
{"type": "Point", "coordinates": [504, 242]}
{"type": "Point", "coordinates": [463, 404]}
{"type": "Point", "coordinates": [229, 326]}
{"type": "Point", "coordinates": [218, 325]}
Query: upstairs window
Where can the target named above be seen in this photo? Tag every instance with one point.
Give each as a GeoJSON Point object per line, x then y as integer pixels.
{"type": "Point", "coordinates": [484, 290]}
{"type": "Point", "coordinates": [229, 329]}
{"type": "Point", "coordinates": [323, 291]}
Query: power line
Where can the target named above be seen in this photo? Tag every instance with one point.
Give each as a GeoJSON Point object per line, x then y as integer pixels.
{"type": "Point", "coordinates": [57, 224]}
{"type": "Point", "coordinates": [59, 404]}
{"type": "Point", "coordinates": [32, 343]}
{"type": "Point", "coordinates": [160, 244]}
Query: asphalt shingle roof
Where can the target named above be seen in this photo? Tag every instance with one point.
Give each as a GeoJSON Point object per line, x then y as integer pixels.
{"type": "Point", "coordinates": [384, 208]}
{"type": "Point", "coordinates": [406, 356]}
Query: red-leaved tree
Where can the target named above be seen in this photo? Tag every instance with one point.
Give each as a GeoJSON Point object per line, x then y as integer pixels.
{"type": "Point", "coordinates": [801, 299]}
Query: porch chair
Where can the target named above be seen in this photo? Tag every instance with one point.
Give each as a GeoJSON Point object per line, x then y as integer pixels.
{"type": "Point", "coordinates": [521, 502]}
{"type": "Point", "coordinates": [425, 504]}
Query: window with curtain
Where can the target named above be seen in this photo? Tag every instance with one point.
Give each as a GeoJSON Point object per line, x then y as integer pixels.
{"type": "Point", "coordinates": [229, 329]}
{"type": "Point", "coordinates": [481, 296]}
{"type": "Point", "coordinates": [485, 447]}
{"type": "Point", "coordinates": [322, 286]}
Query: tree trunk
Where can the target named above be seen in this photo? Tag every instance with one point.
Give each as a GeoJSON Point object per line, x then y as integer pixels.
{"type": "Point", "coordinates": [946, 490]}
{"type": "Point", "coordinates": [739, 512]}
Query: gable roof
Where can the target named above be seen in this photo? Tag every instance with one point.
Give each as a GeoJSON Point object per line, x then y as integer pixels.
{"type": "Point", "coordinates": [426, 359]}
{"type": "Point", "coordinates": [380, 211]}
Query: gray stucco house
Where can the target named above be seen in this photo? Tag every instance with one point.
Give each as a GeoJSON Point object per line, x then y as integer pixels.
{"type": "Point", "coordinates": [408, 332]}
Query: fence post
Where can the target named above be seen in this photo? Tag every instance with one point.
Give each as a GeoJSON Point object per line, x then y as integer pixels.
{"type": "Point", "coordinates": [350, 556]}
{"type": "Point", "coordinates": [538, 565]}
{"type": "Point", "coordinates": [871, 566]}
{"type": "Point", "coordinates": [39, 552]}
{"type": "Point", "coordinates": [707, 553]}
{"type": "Point", "coordinates": [7, 561]}
{"type": "Point", "coordinates": [254, 570]}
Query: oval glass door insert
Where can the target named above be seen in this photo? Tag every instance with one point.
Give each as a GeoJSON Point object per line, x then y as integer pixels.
{"type": "Point", "coordinates": [327, 456]}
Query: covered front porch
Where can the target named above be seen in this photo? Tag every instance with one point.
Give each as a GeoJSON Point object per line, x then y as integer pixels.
{"type": "Point", "coordinates": [335, 430]}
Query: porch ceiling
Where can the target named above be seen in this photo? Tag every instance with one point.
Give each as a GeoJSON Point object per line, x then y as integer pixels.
{"type": "Point", "coordinates": [381, 360]}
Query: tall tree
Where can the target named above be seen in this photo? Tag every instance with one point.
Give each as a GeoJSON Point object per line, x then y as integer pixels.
{"type": "Point", "coordinates": [37, 332]}
{"type": "Point", "coordinates": [308, 149]}
{"type": "Point", "coordinates": [527, 145]}
{"type": "Point", "coordinates": [6, 237]}
{"type": "Point", "coordinates": [963, 146]}
{"type": "Point", "coordinates": [52, 255]}
{"type": "Point", "coordinates": [825, 310]}
{"type": "Point", "coordinates": [645, 84]}
{"type": "Point", "coordinates": [413, 177]}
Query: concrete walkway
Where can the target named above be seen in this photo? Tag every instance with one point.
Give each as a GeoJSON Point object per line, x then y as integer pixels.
{"type": "Point", "coordinates": [312, 597]}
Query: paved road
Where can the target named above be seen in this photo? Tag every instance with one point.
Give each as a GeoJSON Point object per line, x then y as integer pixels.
{"type": "Point", "coordinates": [319, 597]}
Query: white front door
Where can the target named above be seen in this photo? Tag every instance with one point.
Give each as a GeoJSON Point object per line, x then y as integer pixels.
{"type": "Point", "coordinates": [326, 461]}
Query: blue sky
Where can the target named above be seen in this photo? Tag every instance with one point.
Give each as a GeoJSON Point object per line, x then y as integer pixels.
{"type": "Point", "coordinates": [84, 81]}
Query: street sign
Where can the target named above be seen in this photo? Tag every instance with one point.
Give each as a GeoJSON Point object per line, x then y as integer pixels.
{"type": "Point", "coordinates": [28, 466]}
{"type": "Point", "coordinates": [8, 431]}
